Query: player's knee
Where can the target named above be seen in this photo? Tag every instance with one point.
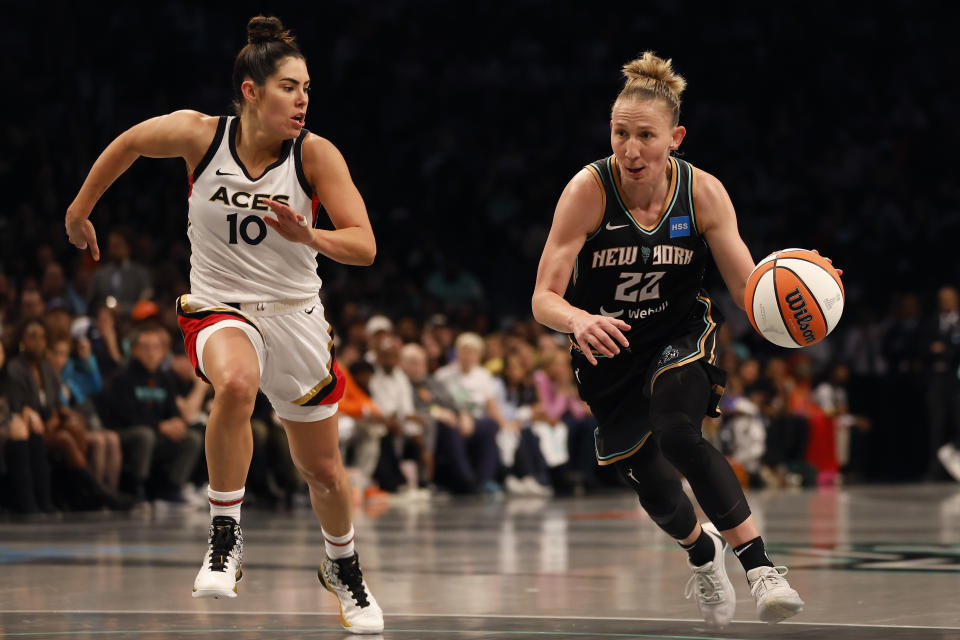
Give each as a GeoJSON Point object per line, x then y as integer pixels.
{"type": "Point", "coordinates": [323, 474]}
{"type": "Point", "coordinates": [679, 437]}
{"type": "Point", "coordinates": [237, 388]}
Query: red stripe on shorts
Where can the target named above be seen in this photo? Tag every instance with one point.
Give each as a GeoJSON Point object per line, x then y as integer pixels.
{"type": "Point", "coordinates": [191, 327]}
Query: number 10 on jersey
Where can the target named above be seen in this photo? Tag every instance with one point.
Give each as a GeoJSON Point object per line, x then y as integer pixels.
{"type": "Point", "coordinates": [247, 224]}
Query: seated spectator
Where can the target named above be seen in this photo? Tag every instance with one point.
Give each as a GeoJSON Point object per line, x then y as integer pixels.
{"type": "Point", "coordinates": [33, 384]}
{"type": "Point", "coordinates": [831, 396]}
{"type": "Point", "coordinates": [120, 282]}
{"type": "Point", "coordinates": [361, 426]}
{"type": "Point", "coordinates": [562, 406]}
{"type": "Point", "coordinates": [54, 286]}
{"type": "Point", "coordinates": [79, 377]}
{"type": "Point", "coordinates": [401, 449]}
{"type": "Point", "coordinates": [527, 469]}
{"type": "Point", "coordinates": [467, 457]}
{"type": "Point", "coordinates": [141, 404]}
{"type": "Point", "coordinates": [784, 457]}
{"type": "Point", "coordinates": [24, 469]}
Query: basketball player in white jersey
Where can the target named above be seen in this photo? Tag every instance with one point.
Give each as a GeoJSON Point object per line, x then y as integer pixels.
{"type": "Point", "coordinates": [253, 318]}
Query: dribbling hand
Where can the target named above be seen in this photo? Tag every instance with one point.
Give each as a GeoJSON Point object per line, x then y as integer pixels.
{"type": "Point", "coordinates": [289, 224]}
{"type": "Point", "coordinates": [839, 271]}
{"type": "Point", "coordinates": [599, 332]}
{"type": "Point", "coordinates": [81, 233]}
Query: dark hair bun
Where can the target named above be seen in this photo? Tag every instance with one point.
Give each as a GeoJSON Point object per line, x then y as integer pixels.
{"type": "Point", "coordinates": [263, 29]}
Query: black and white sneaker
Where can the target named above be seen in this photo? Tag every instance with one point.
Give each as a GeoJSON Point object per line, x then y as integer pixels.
{"type": "Point", "coordinates": [220, 573]}
{"type": "Point", "coordinates": [359, 611]}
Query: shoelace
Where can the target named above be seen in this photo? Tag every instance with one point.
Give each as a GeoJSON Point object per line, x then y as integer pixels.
{"type": "Point", "coordinates": [222, 540]}
{"type": "Point", "coordinates": [706, 583]}
{"type": "Point", "coordinates": [770, 579]}
{"type": "Point", "coordinates": [348, 571]}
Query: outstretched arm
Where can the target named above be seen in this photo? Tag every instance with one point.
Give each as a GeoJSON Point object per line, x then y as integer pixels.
{"type": "Point", "coordinates": [181, 134]}
{"type": "Point", "coordinates": [352, 241]}
{"type": "Point", "coordinates": [579, 212]}
{"type": "Point", "coordinates": [717, 221]}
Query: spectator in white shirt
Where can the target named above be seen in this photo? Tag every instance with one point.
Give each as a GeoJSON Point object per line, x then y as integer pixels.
{"type": "Point", "coordinates": [472, 390]}
{"type": "Point", "coordinates": [401, 451]}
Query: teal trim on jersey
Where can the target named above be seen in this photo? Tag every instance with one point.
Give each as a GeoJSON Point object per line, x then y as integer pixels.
{"type": "Point", "coordinates": [666, 214]}
{"type": "Point", "coordinates": [693, 356]}
{"type": "Point", "coordinates": [635, 445]}
{"type": "Point", "coordinates": [595, 233]}
{"type": "Point", "coordinates": [693, 215]}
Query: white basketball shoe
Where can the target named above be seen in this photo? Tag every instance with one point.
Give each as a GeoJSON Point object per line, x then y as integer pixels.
{"type": "Point", "coordinates": [711, 585]}
{"type": "Point", "coordinates": [776, 599]}
{"type": "Point", "coordinates": [359, 611]}
{"type": "Point", "coordinates": [220, 573]}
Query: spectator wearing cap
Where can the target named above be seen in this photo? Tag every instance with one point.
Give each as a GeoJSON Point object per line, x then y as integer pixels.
{"type": "Point", "coordinates": [376, 326]}
{"type": "Point", "coordinates": [472, 390]}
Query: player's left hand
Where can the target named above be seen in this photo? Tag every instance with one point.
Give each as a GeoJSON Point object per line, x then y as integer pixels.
{"type": "Point", "coordinates": [839, 271]}
{"type": "Point", "coordinates": [289, 224]}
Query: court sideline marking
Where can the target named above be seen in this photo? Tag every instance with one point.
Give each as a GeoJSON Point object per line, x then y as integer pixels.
{"type": "Point", "coordinates": [460, 615]}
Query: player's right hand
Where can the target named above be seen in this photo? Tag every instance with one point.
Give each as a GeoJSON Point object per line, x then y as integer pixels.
{"type": "Point", "coordinates": [600, 333]}
{"type": "Point", "coordinates": [81, 233]}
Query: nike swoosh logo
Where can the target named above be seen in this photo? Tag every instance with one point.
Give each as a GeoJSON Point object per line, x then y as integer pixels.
{"type": "Point", "coordinates": [739, 553]}
{"type": "Point", "coordinates": [309, 311]}
{"type": "Point", "coordinates": [613, 227]}
{"type": "Point", "coordinates": [223, 173]}
{"type": "Point", "coordinates": [611, 314]}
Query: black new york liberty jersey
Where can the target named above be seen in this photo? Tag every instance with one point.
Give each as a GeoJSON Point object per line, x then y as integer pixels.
{"type": "Point", "coordinates": [650, 277]}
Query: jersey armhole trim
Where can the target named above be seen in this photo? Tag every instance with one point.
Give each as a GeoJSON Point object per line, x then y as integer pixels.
{"type": "Point", "coordinates": [692, 195]}
{"type": "Point", "coordinates": [298, 164]}
{"type": "Point", "coordinates": [212, 149]}
{"type": "Point", "coordinates": [603, 201]}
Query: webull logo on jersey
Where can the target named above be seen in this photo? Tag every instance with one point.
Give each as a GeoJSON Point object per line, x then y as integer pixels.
{"type": "Point", "coordinates": [799, 307]}
{"type": "Point", "coordinates": [679, 226]}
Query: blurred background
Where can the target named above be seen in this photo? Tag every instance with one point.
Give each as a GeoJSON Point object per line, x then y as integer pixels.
{"type": "Point", "coordinates": [831, 126]}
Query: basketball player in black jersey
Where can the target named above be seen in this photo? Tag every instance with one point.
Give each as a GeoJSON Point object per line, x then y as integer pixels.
{"type": "Point", "coordinates": [632, 231]}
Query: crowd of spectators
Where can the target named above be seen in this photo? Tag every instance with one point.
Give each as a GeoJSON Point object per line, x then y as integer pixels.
{"type": "Point", "coordinates": [461, 141]}
{"type": "Point", "coordinates": [100, 406]}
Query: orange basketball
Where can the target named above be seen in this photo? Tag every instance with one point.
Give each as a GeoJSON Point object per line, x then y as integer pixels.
{"type": "Point", "coordinates": [794, 298]}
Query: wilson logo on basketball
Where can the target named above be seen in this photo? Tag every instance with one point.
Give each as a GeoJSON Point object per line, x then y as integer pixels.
{"type": "Point", "coordinates": [799, 307]}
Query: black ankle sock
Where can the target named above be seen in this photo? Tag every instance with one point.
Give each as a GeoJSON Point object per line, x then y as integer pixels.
{"type": "Point", "coordinates": [752, 554]}
{"type": "Point", "coordinates": [702, 550]}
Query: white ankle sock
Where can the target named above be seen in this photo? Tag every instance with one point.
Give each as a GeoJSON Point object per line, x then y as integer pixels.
{"type": "Point", "coordinates": [338, 546]}
{"type": "Point", "coordinates": [225, 503]}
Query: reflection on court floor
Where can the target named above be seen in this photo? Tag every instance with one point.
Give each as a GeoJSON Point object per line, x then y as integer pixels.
{"type": "Point", "coordinates": [871, 562]}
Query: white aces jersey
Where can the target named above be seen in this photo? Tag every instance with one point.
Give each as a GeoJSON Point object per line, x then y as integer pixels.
{"type": "Point", "coordinates": [235, 256]}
